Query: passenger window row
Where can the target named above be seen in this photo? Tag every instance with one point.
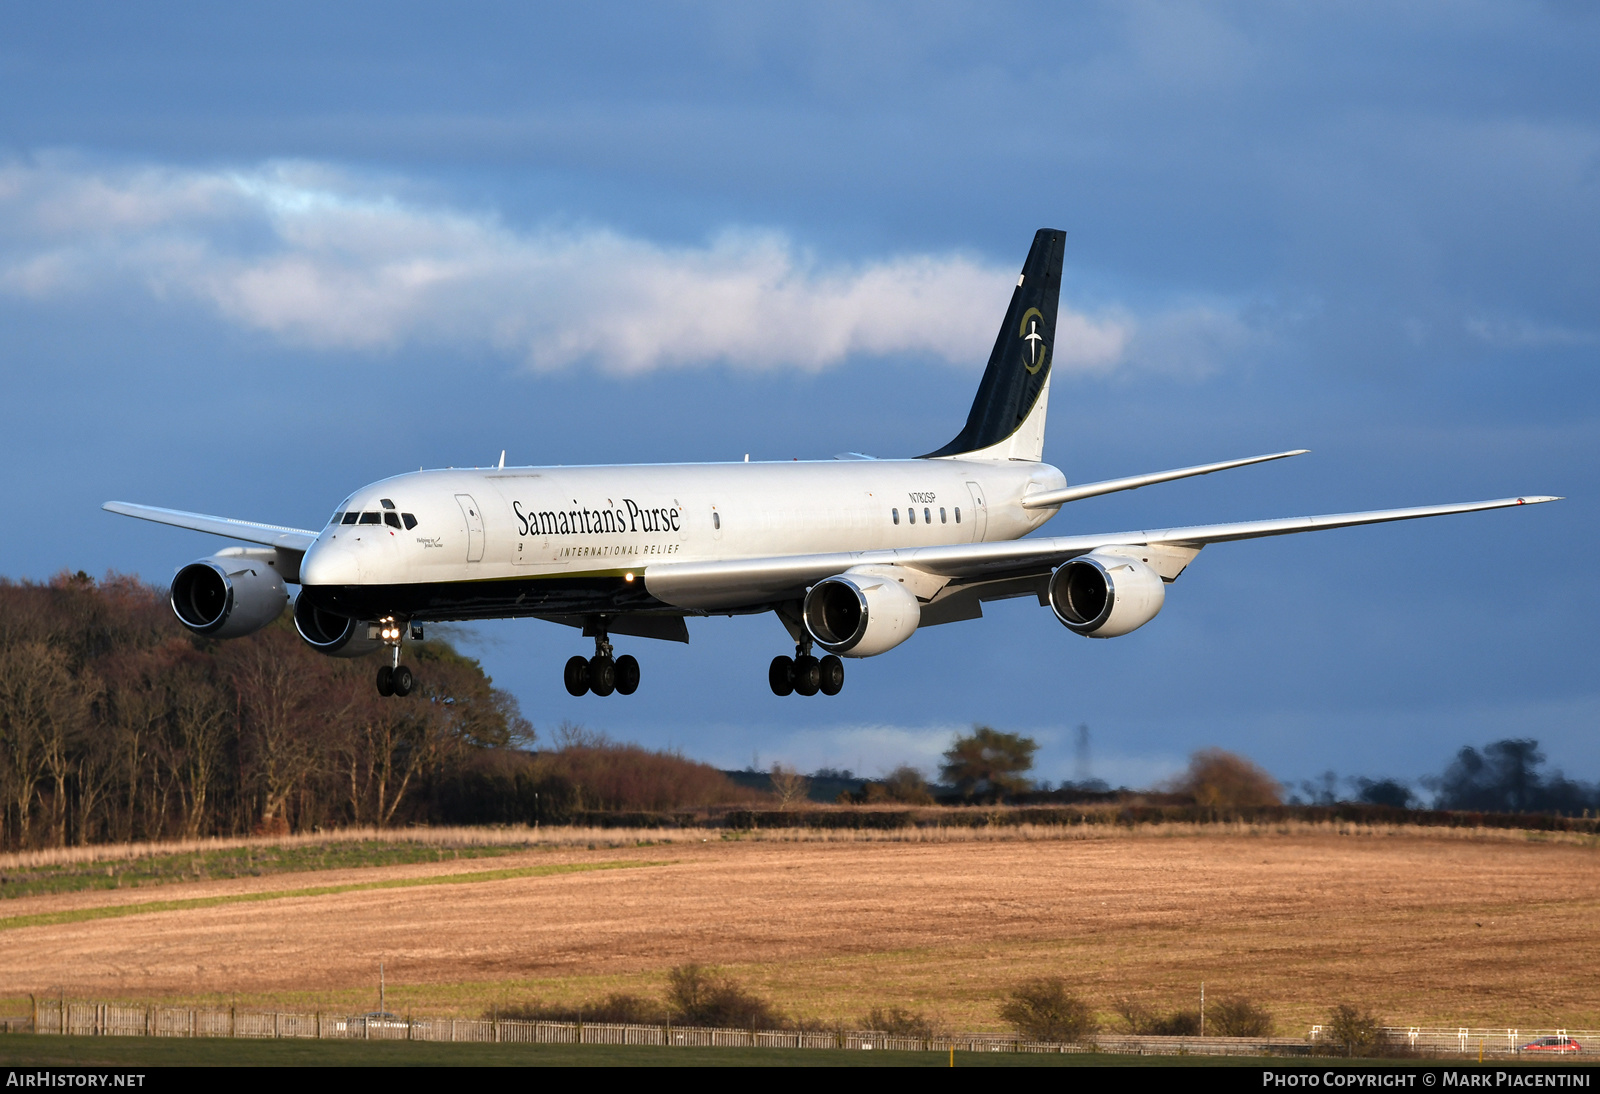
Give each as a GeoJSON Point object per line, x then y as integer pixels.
{"type": "Point", "coordinates": [927, 515]}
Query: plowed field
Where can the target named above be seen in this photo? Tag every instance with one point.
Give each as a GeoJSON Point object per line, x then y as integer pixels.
{"type": "Point", "coordinates": [1423, 929]}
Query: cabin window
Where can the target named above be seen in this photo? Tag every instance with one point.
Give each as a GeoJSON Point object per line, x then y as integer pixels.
{"type": "Point", "coordinates": [411, 521]}
{"type": "Point", "coordinates": [371, 518]}
{"type": "Point", "coordinates": [958, 514]}
{"type": "Point", "coordinates": [927, 517]}
{"type": "Point", "coordinates": [896, 514]}
{"type": "Point", "coordinates": [911, 515]}
{"type": "Point", "coordinates": [942, 519]}
{"type": "Point", "coordinates": [351, 518]}
{"type": "Point", "coordinates": [392, 519]}
{"type": "Point", "coordinates": [386, 503]}
{"type": "Point", "coordinates": [716, 520]}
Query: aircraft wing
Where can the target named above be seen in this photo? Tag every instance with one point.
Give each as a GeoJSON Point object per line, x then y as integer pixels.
{"type": "Point", "coordinates": [1011, 567]}
{"type": "Point", "coordinates": [271, 535]}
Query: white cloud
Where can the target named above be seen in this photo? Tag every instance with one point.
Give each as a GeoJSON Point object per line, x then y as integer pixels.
{"type": "Point", "coordinates": [323, 259]}
{"type": "Point", "coordinates": [1525, 334]}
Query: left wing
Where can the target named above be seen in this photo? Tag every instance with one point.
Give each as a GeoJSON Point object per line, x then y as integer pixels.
{"type": "Point", "coordinates": [271, 535]}
{"type": "Point", "coordinates": [710, 586]}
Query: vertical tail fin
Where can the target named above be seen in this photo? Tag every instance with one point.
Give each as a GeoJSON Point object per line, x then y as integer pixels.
{"type": "Point", "coordinates": [1011, 401]}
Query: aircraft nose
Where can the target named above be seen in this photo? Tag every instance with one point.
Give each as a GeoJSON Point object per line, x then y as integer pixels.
{"type": "Point", "coordinates": [330, 562]}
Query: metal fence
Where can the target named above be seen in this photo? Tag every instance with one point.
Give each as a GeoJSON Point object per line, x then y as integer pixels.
{"type": "Point", "coordinates": [79, 1018]}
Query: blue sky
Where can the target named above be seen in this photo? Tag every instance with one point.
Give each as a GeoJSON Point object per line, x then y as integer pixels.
{"type": "Point", "coordinates": [252, 260]}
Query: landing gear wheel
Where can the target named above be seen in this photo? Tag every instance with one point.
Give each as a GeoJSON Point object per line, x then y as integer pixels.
{"type": "Point", "coordinates": [627, 674]}
{"type": "Point", "coordinates": [807, 675]}
{"type": "Point", "coordinates": [781, 675]}
{"type": "Point", "coordinates": [576, 675]}
{"type": "Point", "coordinates": [400, 680]}
{"type": "Point", "coordinates": [602, 675]}
{"type": "Point", "coordinates": [385, 681]}
{"type": "Point", "coordinates": [832, 673]}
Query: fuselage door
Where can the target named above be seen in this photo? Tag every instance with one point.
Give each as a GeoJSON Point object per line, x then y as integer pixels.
{"type": "Point", "coordinates": [980, 512]}
{"type": "Point", "coordinates": [474, 516]}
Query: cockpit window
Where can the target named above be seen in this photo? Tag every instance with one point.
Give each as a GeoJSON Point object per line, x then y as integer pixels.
{"type": "Point", "coordinates": [371, 518]}
{"type": "Point", "coordinates": [392, 519]}
{"type": "Point", "coordinates": [386, 503]}
{"type": "Point", "coordinates": [336, 518]}
{"type": "Point", "coordinates": [411, 521]}
{"type": "Point", "coordinates": [351, 517]}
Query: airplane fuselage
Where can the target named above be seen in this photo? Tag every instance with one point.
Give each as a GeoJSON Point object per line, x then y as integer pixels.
{"type": "Point", "coordinates": [498, 542]}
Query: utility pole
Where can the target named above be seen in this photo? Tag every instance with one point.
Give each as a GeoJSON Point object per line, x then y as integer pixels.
{"type": "Point", "coordinates": [1202, 1008]}
{"type": "Point", "coordinates": [382, 1008]}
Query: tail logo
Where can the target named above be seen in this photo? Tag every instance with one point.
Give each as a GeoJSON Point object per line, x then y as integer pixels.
{"type": "Point", "coordinates": [1036, 350]}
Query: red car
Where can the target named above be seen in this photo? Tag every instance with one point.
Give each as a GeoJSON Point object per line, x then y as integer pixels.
{"type": "Point", "coordinates": [1553, 1044]}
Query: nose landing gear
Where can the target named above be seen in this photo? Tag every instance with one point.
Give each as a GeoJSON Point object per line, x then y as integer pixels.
{"type": "Point", "coordinates": [601, 673]}
{"type": "Point", "coordinates": [395, 678]}
{"type": "Point", "coordinates": [804, 674]}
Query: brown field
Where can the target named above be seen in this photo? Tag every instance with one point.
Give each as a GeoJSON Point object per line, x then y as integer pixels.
{"type": "Point", "coordinates": [1424, 927]}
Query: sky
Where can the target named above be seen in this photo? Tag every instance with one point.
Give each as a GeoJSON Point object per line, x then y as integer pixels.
{"type": "Point", "coordinates": [253, 258]}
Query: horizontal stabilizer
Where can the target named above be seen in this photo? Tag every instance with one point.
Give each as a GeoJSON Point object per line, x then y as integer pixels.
{"type": "Point", "coordinates": [1048, 498]}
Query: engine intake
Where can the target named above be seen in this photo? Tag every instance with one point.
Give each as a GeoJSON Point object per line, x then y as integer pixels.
{"type": "Point", "coordinates": [860, 614]}
{"type": "Point", "coordinates": [228, 595]}
{"type": "Point", "coordinates": [1105, 595]}
{"type": "Point", "coordinates": [331, 634]}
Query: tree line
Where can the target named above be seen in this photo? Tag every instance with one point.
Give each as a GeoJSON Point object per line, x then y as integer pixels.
{"type": "Point", "coordinates": [118, 724]}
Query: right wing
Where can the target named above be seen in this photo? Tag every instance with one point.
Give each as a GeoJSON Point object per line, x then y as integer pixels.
{"type": "Point", "coordinates": [1010, 568]}
{"type": "Point", "coordinates": [271, 535]}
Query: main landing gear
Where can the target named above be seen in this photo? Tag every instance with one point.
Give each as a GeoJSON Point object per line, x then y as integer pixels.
{"type": "Point", "coordinates": [805, 675]}
{"type": "Point", "coordinates": [600, 673]}
{"type": "Point", "coordinates": [395, 678]}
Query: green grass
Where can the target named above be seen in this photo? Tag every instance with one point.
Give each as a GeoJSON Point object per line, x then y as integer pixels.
{"type": "Point", "coordinates": [232, 862]}
{"type": "Point", "coordinates": [113, 911]}
{"type": "Point", "coordinates": [28, 1050]}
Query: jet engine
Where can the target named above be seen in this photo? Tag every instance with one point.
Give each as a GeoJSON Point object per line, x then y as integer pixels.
{"type": "Point", "coordinates": [1103, 595]}
{"type": "Point", "coordinates": [228, 595]}
{"type": "Point", "coordinates": [860, 614]}
{"type": "Point", "coordinates": [333, 634]}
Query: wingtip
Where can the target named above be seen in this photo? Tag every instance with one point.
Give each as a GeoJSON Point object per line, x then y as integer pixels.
{"type": "Point", "coordinates": [1539, 500]}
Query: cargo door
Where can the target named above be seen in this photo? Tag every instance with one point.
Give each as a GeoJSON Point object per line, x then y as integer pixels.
{"type": "Point", "coordinates": [474, 518]}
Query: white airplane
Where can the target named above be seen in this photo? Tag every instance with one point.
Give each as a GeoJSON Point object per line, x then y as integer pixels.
{"type": "Point", "coordinates": [852, 554]}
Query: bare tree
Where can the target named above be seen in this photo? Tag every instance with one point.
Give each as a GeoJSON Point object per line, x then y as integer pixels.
{"type": "Point", "coordinates": [789, 785]}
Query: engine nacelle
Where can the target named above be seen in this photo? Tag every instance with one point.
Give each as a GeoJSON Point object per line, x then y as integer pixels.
{"type": "Point", "coordinates": [332, 634]}
{"type": "Point", "coordinates": [1103, 595]}
{"type": "Point", "coordinates": [860, 614]}
{"type": "Point", "coordinates": [229, 595]}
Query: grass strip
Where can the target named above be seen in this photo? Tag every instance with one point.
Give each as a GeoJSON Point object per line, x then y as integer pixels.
{"type": "Point", "coordinates": [33, 1050]}
{"type": "Point", "coordinates": [232, 862]}
{"type": "Point", "coordinates": [113, 911]}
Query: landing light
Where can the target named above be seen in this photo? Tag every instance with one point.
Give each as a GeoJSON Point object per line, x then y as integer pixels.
{"type": "Point", "coordinates": [627, 577]}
